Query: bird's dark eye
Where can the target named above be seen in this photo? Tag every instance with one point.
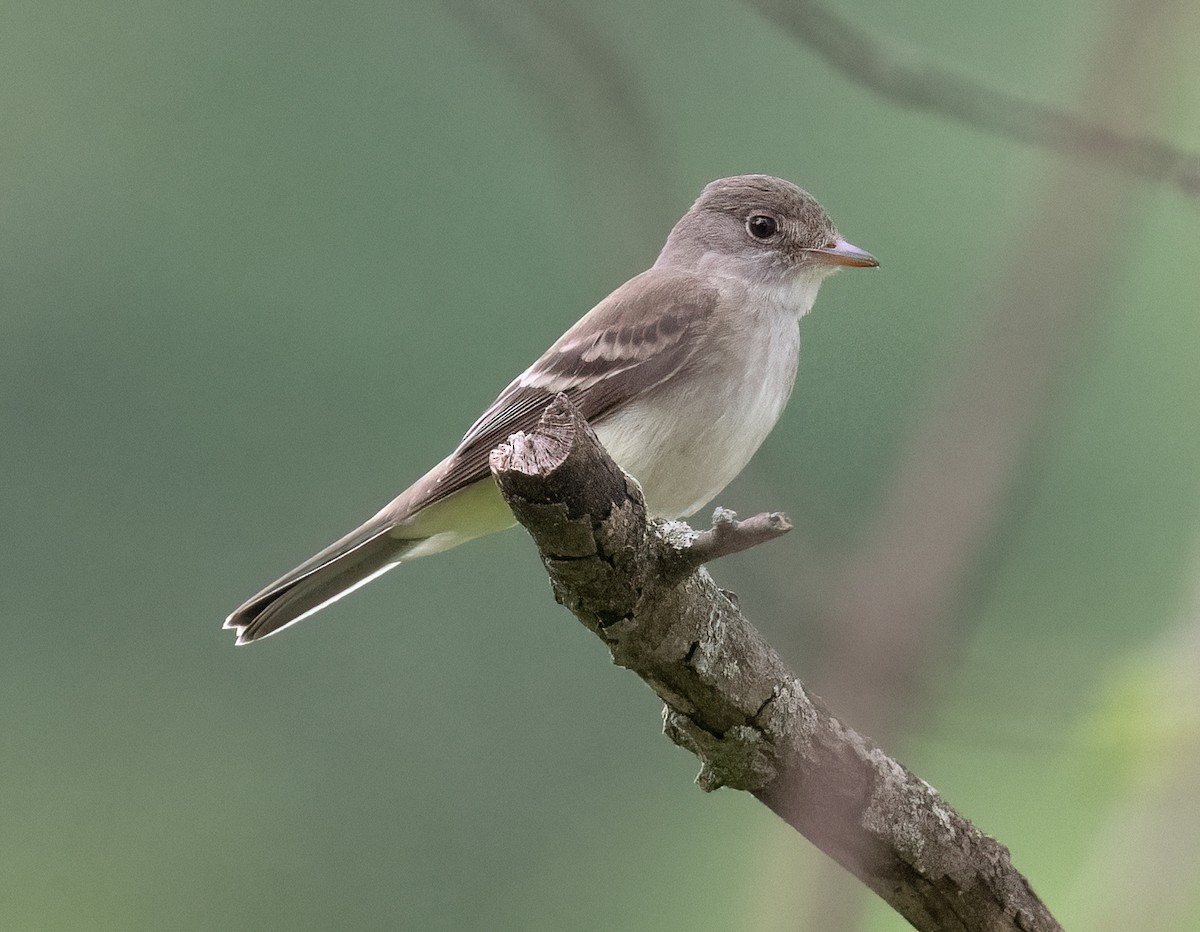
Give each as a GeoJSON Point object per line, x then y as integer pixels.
{"type": "Point", "coordinates": [761, 226]}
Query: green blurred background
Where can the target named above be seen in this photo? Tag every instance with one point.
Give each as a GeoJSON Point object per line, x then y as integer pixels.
{"type": "Point", "coordinates": [262, 263]}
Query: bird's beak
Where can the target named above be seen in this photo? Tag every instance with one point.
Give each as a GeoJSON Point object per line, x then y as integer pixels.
{"type": "Point", "coordinates": [843, 253]}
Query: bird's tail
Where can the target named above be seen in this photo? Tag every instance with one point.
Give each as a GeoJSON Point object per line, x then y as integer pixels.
{"type": "Point", "coordinates": [414, 525]}
{"type": "Point", "coordinates": [336, 571]}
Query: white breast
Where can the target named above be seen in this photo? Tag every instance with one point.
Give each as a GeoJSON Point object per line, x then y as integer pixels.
{"type": "Point", "coordinates": [688, 438]}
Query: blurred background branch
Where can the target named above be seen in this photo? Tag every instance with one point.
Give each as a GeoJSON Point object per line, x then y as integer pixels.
{"type": "Point", "coordinates": [948, 494]}
{"type": "Point", "coordinates": [908, 78]}
{"type": "Point", "coordinates": [582, 85]}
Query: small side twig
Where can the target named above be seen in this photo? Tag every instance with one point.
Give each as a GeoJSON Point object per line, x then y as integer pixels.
{"type": "Point", "coordinates": [729, 535]}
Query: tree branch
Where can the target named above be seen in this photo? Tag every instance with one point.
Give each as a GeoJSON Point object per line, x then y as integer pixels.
{"type": "Point", "coordinates": [729, 698]}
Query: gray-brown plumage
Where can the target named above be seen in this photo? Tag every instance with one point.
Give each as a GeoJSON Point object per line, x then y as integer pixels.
{"type": "Point", "coordinates": [682, 371]}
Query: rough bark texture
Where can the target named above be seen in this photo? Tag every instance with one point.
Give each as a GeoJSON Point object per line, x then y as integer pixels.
{"type": "Point", "coordinates": [729, 697]}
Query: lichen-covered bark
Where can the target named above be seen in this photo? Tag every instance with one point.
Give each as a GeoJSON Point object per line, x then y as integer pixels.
{"type": "Point", "coordinates": [729, 698]}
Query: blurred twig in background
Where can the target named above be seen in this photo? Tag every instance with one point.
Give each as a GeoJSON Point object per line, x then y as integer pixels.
{"type": "Point", "coordinates": [588, 94]}
{"type": "Point", "coordinates": [909, 82]}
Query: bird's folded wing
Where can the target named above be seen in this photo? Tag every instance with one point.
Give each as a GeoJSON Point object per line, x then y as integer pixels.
{"type": "Point", "coordinates": [645, 332]}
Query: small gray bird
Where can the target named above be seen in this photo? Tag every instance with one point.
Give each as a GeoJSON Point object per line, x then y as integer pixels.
{"type": "Point", "coordinates": [682, 372]}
